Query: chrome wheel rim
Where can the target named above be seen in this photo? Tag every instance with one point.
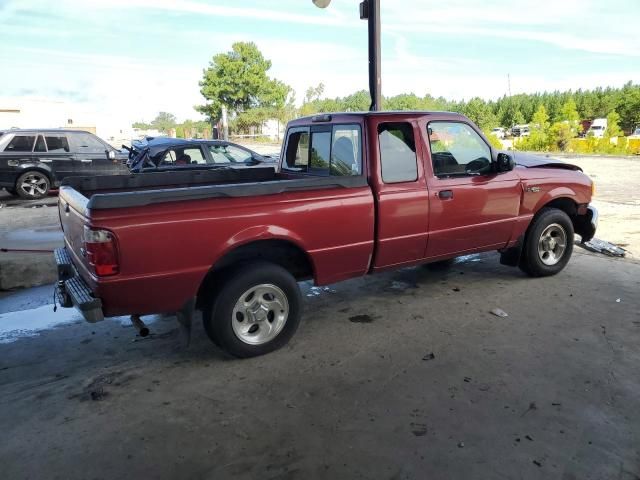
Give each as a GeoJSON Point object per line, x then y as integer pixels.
{"type": "Point", "coordinates": [260, 314]}
{"type": "Point", "coordinates": [552, 244]}
{"type": "Point", "coordinates": [34, 184]}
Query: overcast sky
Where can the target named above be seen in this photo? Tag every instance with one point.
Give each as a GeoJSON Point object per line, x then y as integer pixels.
{"type": "Point", "coordinates": [137, 57]}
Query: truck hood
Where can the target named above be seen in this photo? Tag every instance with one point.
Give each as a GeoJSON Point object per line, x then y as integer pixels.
{"type": "Point", "coordinates": [528, 160]}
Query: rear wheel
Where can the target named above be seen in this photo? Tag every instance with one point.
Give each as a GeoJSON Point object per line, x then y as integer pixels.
{"type": "Point", "coordinates": [256, 311]}
{"type": "Point", "coordinates": [548, 244]}
{"type": "Point", "coordinates": [32, 185]}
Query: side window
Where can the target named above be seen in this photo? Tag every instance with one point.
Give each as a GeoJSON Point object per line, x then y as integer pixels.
{"type": "Point", "coordinates": [40, 145]}
{"type": "Point", "coordinates": [86, 143]}
{"type": "Point", "coordinates": [21, 143]}
{"type": "Point", "coordinates": [183, 156]}
{"type": "Point", "coordinates": [456, 149]}
{"type": "Point", "coordinates": [325, 150]}
{"type": "Point", "coordinates": [229, 154]}
{"type": "Point", "coordinates": [397, 152]}
{"type": "Point", "coordinates": [57, 143]}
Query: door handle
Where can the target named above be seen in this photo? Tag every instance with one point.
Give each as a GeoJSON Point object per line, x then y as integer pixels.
{"type": "Point", "coordinates": [445, 194]}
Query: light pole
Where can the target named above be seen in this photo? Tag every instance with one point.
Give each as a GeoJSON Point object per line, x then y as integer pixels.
{"type": "Point", "coordinates": [370, 11]}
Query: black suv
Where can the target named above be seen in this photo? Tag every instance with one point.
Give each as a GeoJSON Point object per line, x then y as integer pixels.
{"type": "Point", "coordinates": [33, 161]}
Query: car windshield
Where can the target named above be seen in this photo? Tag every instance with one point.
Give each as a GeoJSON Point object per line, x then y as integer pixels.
{"type": "Point", "coordinates": [229, 154]}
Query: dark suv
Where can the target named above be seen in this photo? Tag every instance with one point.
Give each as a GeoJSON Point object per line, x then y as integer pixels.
{"type": "Point", "coordinates": [33, 161]}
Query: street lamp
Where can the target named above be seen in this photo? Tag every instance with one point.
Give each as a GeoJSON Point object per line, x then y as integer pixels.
{"type": "Point", "coordinates": [369, 10]}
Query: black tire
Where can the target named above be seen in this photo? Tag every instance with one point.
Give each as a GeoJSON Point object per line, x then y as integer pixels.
{"type": "Point", "coordinates": [32, 185]}
{"type": "Point", "coordinates": [533, 261]}
{"type": "Point", "coordinates": [219, 316]}
{"type": "Point", "coordinates": [441, 265]}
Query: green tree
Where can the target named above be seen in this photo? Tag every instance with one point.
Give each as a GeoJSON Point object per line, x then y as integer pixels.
{"type": "Point", "coordinates": [613, 125]}
{"type": "Point", "coordinates": [569, 112]}
{"type": "Point", "coordinates": [164, 121]}
{"type": "Point", "coordinates": [238, 80]}
{"type": "Point", "coordinates": [480, 113]}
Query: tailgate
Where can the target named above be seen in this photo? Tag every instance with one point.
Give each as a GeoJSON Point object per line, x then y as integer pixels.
{"type": "Point", "coordinates": [72, 208]}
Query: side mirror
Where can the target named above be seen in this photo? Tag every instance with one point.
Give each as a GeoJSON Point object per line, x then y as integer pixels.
{"type": "Point", "coordinates": [111, 155]}
{"type": "Point", "coordinates": [505, 163]}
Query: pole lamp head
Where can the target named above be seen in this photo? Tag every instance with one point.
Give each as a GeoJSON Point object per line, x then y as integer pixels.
{"type": "Point", "coordinates": [321, 3]}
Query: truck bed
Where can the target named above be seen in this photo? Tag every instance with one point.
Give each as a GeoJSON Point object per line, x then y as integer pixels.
{"type": "Point", "coordinates": [124, 191]}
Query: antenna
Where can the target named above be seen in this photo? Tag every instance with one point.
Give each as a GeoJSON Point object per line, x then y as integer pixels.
{"type": "Point", "coordinates": [509, 82]}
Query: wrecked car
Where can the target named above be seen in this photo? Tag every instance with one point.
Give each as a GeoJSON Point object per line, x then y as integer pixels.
{"type": "Point", "coordinates": [166, 154]}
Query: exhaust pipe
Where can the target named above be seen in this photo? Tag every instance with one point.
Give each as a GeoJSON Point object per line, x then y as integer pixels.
{"type": "Point", "coordinates": [142, 329]}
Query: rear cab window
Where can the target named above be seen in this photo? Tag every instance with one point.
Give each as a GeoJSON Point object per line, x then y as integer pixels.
{"type": "Point", "coordinates": [324, 150]}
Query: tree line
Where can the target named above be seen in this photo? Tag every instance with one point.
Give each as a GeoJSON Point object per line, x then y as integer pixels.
{"type": "Point", "coordinates": [238, 80]}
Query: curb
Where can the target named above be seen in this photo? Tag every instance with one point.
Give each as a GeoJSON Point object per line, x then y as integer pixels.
{"type": "Point", "coordinates": [24, 270]}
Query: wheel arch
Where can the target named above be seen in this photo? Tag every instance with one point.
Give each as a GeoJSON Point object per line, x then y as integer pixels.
{"type": "Point", "coordinates": [284, 252]}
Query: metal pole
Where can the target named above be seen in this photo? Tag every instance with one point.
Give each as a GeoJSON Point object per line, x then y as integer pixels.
{"type": "Point", "coordinates": [225, 124]}
{"type": "Point", "coordinates": [375, 84]}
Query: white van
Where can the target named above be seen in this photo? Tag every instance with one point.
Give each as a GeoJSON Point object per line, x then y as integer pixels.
{"type": "Point", "coordinates": [597, 128]}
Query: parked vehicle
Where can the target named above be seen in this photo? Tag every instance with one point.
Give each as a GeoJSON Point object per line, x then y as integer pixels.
{"type": "Point", "coordinates": [520, 130]}
{"type": "Point", "coordinates": [499, 132]}
{"type": "Point", "coordinates": [34, 161]}
{"type": "Point", "coordinates": [170, 153]}
{"type": "Point", "coordinates": [355, 193]}
{"type": "Point", "coordinates": [584, 128]}
{"type": "Point", "coordinates": [635, 134]}
{"type": "Point", "coordinates": [598, 128]}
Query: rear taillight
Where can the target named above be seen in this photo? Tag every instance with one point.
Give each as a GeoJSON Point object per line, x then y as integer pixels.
{"type": "Point", "coordinates": [102, 253]}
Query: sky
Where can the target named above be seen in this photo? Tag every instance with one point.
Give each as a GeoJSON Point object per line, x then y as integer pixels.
{"type": "Point", "coordinates": [133, 58]}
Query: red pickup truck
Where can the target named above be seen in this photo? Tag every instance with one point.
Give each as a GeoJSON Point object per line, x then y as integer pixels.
{"type": "Point", "coordinates": [355, 193]}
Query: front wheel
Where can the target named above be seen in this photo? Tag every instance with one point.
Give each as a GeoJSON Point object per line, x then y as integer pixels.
{"type": "Point", "coordinates": [256, 311]}
{"type": "Point", "coordinates": [548, 244]}
{"type": "Point", "coordinates": [32, 185]}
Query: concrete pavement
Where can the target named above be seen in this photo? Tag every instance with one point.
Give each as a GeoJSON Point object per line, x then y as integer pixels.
{"type": "Point", "coordinates": [550, 392]}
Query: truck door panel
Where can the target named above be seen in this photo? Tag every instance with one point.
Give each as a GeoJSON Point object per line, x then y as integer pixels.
{"type": "Point", "coordinates": [471, 207]}
{"type": "Point", "coordinates": [401, 197]}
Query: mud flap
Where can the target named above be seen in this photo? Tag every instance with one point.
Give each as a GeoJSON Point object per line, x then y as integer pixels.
{"type": "Point", "coordinates": [185, 319]}
{"type": "Point", "coordinates": [511, 256]}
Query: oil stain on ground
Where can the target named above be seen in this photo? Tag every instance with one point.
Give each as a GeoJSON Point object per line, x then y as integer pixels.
{"type": "Point", "coordinates": [361, 319]}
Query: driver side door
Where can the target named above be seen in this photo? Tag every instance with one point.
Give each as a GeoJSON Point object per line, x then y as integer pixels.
{"type": "Point", "coordinates": [471, 208]}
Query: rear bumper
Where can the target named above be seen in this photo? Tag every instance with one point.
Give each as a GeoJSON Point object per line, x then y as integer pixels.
{"type": "Point", "coordinates": [72, 291]}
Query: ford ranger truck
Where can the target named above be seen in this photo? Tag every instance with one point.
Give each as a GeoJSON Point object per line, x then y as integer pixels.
{"type": "Point", "coordinates": [354, 194]}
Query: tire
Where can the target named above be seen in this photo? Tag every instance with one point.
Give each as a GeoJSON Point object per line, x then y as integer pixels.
{"type": "Point", "coordinates": [548, 243]}
{"type": "Point", "coordinates": [32, 185]}
{"type": "Point", "coordinates": [267, 318]}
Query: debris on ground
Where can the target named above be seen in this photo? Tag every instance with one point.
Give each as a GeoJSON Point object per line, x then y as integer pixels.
{"type": "Point", "coordinates": [537, 463]}
{"type": "Point", "coordinates": [604, 247]}
{"type": "Point", "coordinates": [498, 312]}
{"type": "Point", "coordinates": [460, 444]}
{"type": "Point", "coordinates": [618, 300]}
{"type": "Point", "coordinates": [532, 406]}
{"type": "Point", "coordinates": [429, 356]}
{"type": "Point", "coordinates": [361, 319]}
